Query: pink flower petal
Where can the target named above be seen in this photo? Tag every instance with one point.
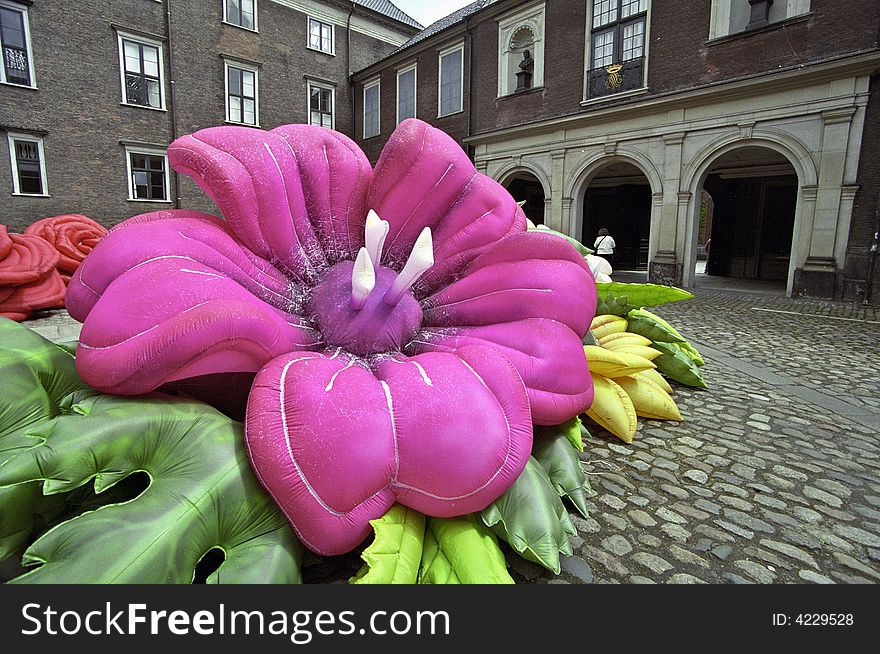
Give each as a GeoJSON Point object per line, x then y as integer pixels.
{"type": "Point", "coordinates": [173, 317]}
{"type": "Point", "coordinates": [184, 236]}
{"type": "Point", "coordinates": [335, 176]}
{"type": "Point", "coordinates": [548, 356]}
{"type": "Point", "coordinates": [252, 175]}
{"type": "Point", "coordinates": [424, 179]}
{"type": "Point", "coordinates": [336, 446]}
{"type": "Point", "coordinates": [528, 275]}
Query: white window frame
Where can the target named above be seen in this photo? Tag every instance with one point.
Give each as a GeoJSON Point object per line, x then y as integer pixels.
{"type": "Point", "coordinates": [151, 152]}
{"type": "Point", "coordinates": [233, 63]}
{"type": "Point", "coordinates": [721, 16]}
{"type": "Point", "coordinates": [255, 28]}
{"type": "Point", "coordinates": [588, 58]}
{"type": "Point", "coordinates": [440, 55]}
{"type": "Point", "coordinates": [368, 85]}
{"type": "Point", "coordinates": [313, 84]}
{"type": "Point", "coordinates": [414, 67]}
{"type": "Point", "coordinates": [30, 52]}
{"type": "Point", "coordinates": [13, 159]}
{"type": "Point", "coordinates": [332, 50]}
{"type": "Point", "coordinates": [127, 36]}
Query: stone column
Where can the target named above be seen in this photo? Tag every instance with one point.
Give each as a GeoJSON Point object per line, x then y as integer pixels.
{"type": "Point", "coordinates": [818, 276]}
{"type": "Point", "coordinates": [665, 266]}
{"type": "Point", "coordinates": [553, 214]}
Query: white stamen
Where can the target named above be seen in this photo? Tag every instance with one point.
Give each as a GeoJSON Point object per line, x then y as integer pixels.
{"type": "Point", "coordinates": [376, 230]}
{"type": "Point", "coordinates": [363, 279]}
{"type": "Point", "coordinates": [420, 260]}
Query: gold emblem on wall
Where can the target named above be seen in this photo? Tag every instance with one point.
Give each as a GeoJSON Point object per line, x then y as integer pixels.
{"type": "Point", "coordinates": [614, 79]}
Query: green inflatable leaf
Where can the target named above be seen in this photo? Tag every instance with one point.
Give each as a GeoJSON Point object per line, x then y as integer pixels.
{"type": "Point", "coordinates": [572, 432]}
{"type": "Point", "coordinates": [691, 352]}
{"type": "Point", "coordinates": [643, 295]}
{"type": "Point", "coordinates": [395, 554]}
{"type": "Point", "coordinates": [562, 465]}
{"type": "Point", "coordinates": [201, 495]}
{"type": "Point", "coordinates": [531, 518]}
{"type": "Point", "coordinates": [576, 244]}
{"type": "Point", "coordinates": [677, 365]}
{"type": "Point", "coordinates": [651, 329]}
{"type": "Point", "coordinates": [36, 381]}
{"type": "Point", "coordinates": [611, 305]}
{"type": "Point", "coordinates": [461, 551]}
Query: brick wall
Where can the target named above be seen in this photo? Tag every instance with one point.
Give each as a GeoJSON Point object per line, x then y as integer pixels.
{"type": "Point", "coordinates": [681, 57]}
{"type": "Point", "coordinates": [77, 106]}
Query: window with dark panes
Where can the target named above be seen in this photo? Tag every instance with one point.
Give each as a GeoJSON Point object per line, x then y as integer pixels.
{"type": "Point", "coordinates": [13, 38]}
{"type": "Point", "coordinates": [143, 82]}
{"type": "Point", "coordinates": [241, 13]}
{"type": "Point", "coordinates": [241, 95]}
{"type": "Point", "coordinates": [617, 45]}
{"type": "Point", "coordinates": [321, 106]}
{"type": "Point", "coordinates": [28, 167]}
{"type": "Point", "coordinates": [450, 81]}
{"type": "Point", "coordinates": [320, 35]}
{"type": "Point", "coordinates": [147, 176]}
{"type": "Point", "coordinates": [371, 110]}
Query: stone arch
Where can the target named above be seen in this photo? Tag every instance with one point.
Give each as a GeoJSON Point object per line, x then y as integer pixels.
{"type": "Point", "coordinates": [506, 173]}
{"type": "Point", "coordinates": [694, 175]}
{"type": "Point", "coordinates": [578, 182]}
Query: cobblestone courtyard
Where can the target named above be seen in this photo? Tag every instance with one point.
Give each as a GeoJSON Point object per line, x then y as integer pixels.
{"type": "Point", "coordinates": [773, 477]}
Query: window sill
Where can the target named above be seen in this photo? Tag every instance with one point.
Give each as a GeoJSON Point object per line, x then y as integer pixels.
{"type": "Point", "coordinates": [451, 113]}
{"type": "Point", "coordinates": [514, 94]}
{"type": "Point", "coordinates": [32, 195]}
{"type": "Point", "coordinates": [20, 86]}
{"type": "Point", "coordinates": [149, 201]}
{"type": "Point", "coordinates": [371, 136]}
{"type": "Point", "coordinates": [253, 30]}
{"type": "Point", "coordinates": [143, 106]}
{"type": "Point", "coordinates": [329, 54]}
{"type": "Point", "coordinates": [233, 122]}
{"type": "Point", "coordinates": [614, 96]}
{"type": "Point", "coordinates": [760, 30]}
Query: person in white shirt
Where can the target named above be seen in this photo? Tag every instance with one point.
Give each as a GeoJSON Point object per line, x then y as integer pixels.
{"type": "Point", "coordinates": [604, 246]}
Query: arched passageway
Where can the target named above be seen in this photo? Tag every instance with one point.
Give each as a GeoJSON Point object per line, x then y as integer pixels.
{"type": "Point", "coordinates": [525, 187]}
{"type": "Point", "coordinates": [750, 199]}
{"type": "Point", "coordinates": [618, 198]}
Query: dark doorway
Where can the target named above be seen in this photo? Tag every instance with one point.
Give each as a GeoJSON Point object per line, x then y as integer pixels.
{"type": "Point", "coordinates": [754, 192]}
{"type": "Point", "coordinates": [527, 187]}
{"type": "Point", "coordinates": [619, 199]}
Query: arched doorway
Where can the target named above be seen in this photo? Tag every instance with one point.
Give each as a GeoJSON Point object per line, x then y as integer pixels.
{"type": "Point", "coordinates": [750, 194]}
{"type": "Point", "coordinates": [525, 187]}
{"type": "Point", "coordinates": [618, 198]}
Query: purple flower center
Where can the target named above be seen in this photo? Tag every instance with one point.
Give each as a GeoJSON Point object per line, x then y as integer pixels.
{"type": "Point", "coordinates": [376, 328]}
{"type": "Point", "coordinates": [366, 308]}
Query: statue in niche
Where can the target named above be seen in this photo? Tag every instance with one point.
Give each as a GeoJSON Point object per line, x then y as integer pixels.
{"type": "Point", "coordinates": [524, 76]}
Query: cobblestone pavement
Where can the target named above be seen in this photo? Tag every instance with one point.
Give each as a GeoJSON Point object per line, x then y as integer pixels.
{"type": "Point", "coordinates": [773, 477]}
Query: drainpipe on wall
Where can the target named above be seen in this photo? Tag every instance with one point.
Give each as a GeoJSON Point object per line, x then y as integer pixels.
{"type": "Point", "coordinates": [172, 100]}
{"type": "Point", "coordinates": [348, 44]}
{"type": "Point", "coordinates": [348, 78]}
{"type": "Point", "coordinates": [470, 102]}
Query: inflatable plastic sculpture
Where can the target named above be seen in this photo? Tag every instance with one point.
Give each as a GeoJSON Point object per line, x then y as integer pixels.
{"type": "Point", "coordinates": [73, 235]}
{"type": "Point", "coordinates": [405, 329]}
{"type": "Point", "coordinates": [28, 279]}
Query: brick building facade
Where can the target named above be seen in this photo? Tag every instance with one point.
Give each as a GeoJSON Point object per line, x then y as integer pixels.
{"type": "Point", "coordinates": [636, 110]}
{"type": "Point", "coordinates": [92, 92]}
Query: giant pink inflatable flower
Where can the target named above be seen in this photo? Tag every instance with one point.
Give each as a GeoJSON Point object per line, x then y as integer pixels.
{"type": "Point", "coordinates": [406, 329]}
